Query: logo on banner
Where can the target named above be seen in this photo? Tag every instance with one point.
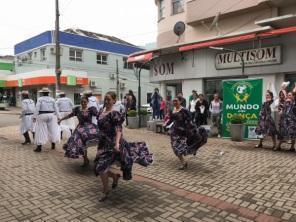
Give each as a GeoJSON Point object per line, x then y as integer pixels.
{"type": "Point", "coordinates": [242, 91]}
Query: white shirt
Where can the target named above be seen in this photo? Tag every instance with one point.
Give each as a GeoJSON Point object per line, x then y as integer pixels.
{"type": "Point", "coordinates": [46, 104]}
{"type": "Point", "coordinates": [119, 107]}
{"type": "Point", "coordinates": [28, 106]}
{"type": "Point", "coordinates": [192, 105]}
{"type": "Point", "coordinates": [92, 102]}
{"type": "Point", "coordinates": [215, 107]}
{"type": "Point", "coordinates": [64, 104]}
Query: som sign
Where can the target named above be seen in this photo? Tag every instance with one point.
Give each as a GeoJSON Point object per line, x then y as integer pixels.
{"type": "Point", "coordinates": [163, 69]}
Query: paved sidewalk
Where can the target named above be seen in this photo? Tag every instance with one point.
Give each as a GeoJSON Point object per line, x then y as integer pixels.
{"type": "Point", "coordinates": [11, 110]}
{"type": "Point", "coordinates": [243, 184]}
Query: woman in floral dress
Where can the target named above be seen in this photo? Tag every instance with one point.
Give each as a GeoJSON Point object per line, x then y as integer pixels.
{"type": "Point", "coordinates": [84, 132]}
{"type": "Point", "coordinates": [186, 138]}
{"type": "Point", "coordinates": [113, 148]}
{"type": "Point", "coordinates": [287, 124]}
{"type": "Point", "coordinates": [266, 125]}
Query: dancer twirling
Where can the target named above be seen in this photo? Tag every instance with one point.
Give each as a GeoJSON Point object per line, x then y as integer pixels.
{"type": "Point", "coordinates": [287, 124]}
{"type": "Point", "coordinates": [85, 131]}
{"type": "Point", "coordinates": [266, 125]}
{"type": "Point", "coordinates": [28, 110]}
{"type": "Point", "coordinates": [112, 147]}
{"type": "Point", "coordinates": [186, 138]}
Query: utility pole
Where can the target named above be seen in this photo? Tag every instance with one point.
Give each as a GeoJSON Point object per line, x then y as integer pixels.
{"type": "Point", "coordinates": [57, 46]}
{"type": "Point", "coordinates": [117, 79]}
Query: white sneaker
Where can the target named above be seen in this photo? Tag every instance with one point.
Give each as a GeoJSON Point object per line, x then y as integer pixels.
{"type": "Point", "coordinates": [219, 136]}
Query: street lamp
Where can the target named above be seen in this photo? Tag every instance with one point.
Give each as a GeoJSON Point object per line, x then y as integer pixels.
{"type": "Point", "coordinates": [236, 52]}
{"type": "Point", "coordinates": [139, 87]}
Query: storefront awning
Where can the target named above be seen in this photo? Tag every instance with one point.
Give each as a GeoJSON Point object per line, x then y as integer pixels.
{"type": "Point", "coordinates": [140, 58]}
{"type": "Point", "coordinates": [237, 39]}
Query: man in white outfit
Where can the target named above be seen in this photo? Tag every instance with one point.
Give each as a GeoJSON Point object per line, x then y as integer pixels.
{"type": "Point", "coordinates": [28, 110]}
{"type": "Point", "coordinates": [65, 107]}
{"type": "Point", "coordinates": [46, 117]}
{"type": "Point", "coordinates": [92, 102]}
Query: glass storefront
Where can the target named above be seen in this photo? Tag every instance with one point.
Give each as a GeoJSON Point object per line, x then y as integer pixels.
{"type": "Point", "coordinates": [292, 79]}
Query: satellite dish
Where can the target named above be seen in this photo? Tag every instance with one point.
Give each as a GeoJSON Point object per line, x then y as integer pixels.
{"type": "Point", "coordinates": [179, 28]}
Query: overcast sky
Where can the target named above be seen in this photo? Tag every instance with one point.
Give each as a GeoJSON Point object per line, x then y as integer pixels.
{"type": "Point", "coordinates": [132, 20]}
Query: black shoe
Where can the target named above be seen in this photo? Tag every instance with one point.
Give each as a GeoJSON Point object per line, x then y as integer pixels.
{"type": "Point", "coordinates": [53, 146]}
{"type": "Point", "coordinates": [26, 142]}
{"type": "Point", "coordinates": [105, 197]}
{"type": "Point", "coordinates": [115, 182]}
{"type": "Point", "coordinates": [38, 149]}
{"type": "Point", "coordinates": [183, 167]}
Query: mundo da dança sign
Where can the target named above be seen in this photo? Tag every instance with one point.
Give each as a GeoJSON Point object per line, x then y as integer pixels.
{"type": "Point", "coordinates": [244, 98]}
{"type": "Point", "coordinates": [252, 57]}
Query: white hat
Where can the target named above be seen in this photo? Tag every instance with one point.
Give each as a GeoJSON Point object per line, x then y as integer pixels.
{"type": "Point", "coordinates": [61, 93]}
{"type": "Point", "coordinates": [24, 92]}
{"type": "Point", "coordinates": [44, 90]}
{"type": "Point", "coordinates": [86, 92]}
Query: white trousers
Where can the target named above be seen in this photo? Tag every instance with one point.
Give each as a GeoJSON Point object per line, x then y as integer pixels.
{"type": "Point", "coordinates": [47, 129]}
{"type": "Point", "coordinates": [26, 124]}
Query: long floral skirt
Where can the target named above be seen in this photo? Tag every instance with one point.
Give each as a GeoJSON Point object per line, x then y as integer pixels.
{"type": "Point", "coordinates": [130, 153]}
{"type": "Point", "coordinates": [76, 144]}
{"type": "Point", "coordinates": [183, 145]}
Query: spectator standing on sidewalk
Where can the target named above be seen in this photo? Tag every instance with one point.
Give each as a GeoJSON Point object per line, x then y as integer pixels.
{"type": "Point", "coordinates": [192, 104]}
{"type": "Point", "coordinates": [202, 111]}
{"type": "Point", "coordinates": [131, 104]}
{"type": "Point", "coordinates": [162, 108]}
{"type": "Point", "coordinates": [216, 112]}
{"type": "Point", "coordinates": [155, 102]}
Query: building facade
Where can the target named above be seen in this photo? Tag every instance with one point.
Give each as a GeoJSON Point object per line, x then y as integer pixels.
{"type": "Point", "coordinates": [88, 61]}
{"type": "Point", "coordinates": [262, 32]}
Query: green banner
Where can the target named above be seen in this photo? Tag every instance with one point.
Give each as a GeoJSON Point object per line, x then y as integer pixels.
{"type": "Point", "coordinates": [244, 98]}
{"type": "Point", "coordinates": [71, 80]}
{"type": "Point", "coordinates": [2, 83]}
{"type": "Point", "coordinates": [6, 66]}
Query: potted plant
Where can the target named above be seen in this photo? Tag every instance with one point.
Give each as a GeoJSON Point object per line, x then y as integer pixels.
{"type": "Point", "coordinates": [144, 117]}
{"type": "Point", "coordinates": [237, 128]}
{"type": "Point", "coordinates": [133, 119]}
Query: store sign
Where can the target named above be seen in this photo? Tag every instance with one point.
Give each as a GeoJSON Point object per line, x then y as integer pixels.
{"type": "Point", "coordinates": [253, 57]}
{"type": "Point", "coordinates": [163, 69]}
{"type": "Point", "coordinates": [243, 98]}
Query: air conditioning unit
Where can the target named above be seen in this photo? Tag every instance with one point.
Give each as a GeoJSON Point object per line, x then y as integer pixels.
{"type": "Point", "coordinates": [53, 51]}
{"type": "Point", "coordinates": [122, 85]}
{"type": "Point", "coordinates": [92, 83]}
{"type": "Point", "coordinates": [112, 76]}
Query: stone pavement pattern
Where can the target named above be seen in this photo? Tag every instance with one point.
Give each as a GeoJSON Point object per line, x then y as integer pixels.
{"type": "Point", "coordinates": [244, 184]}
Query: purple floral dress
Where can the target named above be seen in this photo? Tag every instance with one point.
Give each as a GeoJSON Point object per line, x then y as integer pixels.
{"type": "Point", "coordinates": [85, 131]}
{"type": "Point", "coordinates": [137, 152]}
{"type": "Point", "coordinates": [287, 124]}
{"type": "Point", "coordinates": [266, 125]}
{"type": "Point", "coordinates": [186, 138]}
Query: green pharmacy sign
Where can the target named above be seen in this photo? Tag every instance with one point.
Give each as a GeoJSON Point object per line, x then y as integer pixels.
{"type": "Point", "coordinates": [244, 98]}
{"type": "Point", "coordinates": [71, 81]}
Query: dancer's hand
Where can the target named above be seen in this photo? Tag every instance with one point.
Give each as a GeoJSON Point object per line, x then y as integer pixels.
{"type": "Point", "coordinates": [34, 120]}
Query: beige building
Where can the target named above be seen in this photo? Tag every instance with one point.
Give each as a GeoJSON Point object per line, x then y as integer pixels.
{"type": "Point", "coordinates": [262, 31]}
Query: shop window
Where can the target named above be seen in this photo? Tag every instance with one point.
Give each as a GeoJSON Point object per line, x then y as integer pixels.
{"type": "Point", "coordinates": [211, 87]}
{"type": "Point", "coordinates": [77, 98]}
{"type": "Point", "coordinates": [161, 10]}
{"type": "Point", "coordinates": [177, 6]}
{"type": "Point", "coordinates": [127, 65]}
{"type": "Point", "coordinates": [75, 55]}
{"type": "Point", "coordinates": [43, 54]}
{"type": "Point", "coordinates": [102, 59]}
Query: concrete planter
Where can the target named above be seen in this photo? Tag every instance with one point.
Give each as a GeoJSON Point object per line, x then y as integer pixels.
{"type": "Point", "coordinates": [133, 122]}
{"type": "Point", "coordinates": [237, 132]}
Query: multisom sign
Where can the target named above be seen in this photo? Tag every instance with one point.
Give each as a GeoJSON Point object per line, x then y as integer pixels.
{"type": "Point", "coordinates": [253, 57]}
{"type": "Point", "coordinates": [163, 69]}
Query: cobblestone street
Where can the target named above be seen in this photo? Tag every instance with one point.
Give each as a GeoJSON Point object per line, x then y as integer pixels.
{"type": "Point", "coordinates": [243, 184]}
